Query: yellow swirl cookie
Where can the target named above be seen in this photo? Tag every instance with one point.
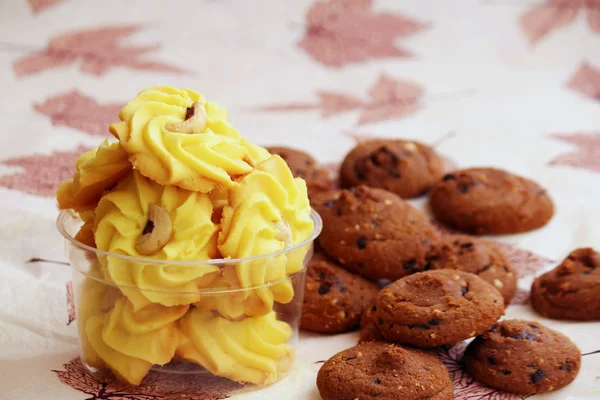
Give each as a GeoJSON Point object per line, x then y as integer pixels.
{"type": "Point", "coordinates": [251, 350]}
{"type": "Point", "coordinates": [96, 171]}
{"type": "Point", "coordinates": [268, 211]}
{"type": "Point", "coordinates": [141, 218]}
{"type": "Point", "coordinates": [175, 137]}
{"type": "Point", "coordinates": [85, 234]}
{"type": "Point", "coordinates": [129, 341]}
{"type": "Point", "coordinates": [149, 334]}
{"type": "Point", "coordinates": [93, 299]}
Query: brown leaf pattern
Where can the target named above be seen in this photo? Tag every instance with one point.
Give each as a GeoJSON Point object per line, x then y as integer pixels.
{"type": "Point", "coordinates": [78, 111]}
{"type": "Point", "coordinates": [98, 50]}
{"type": "Point", "coordinates": [586, 153]}
{"type": "Point", "coordinates": [389, 98]}
{"type": "Point", "coordinates": [70, 303]}
{"type": "Point", "coordinates": [551, 15]}
{"type": "Point", "coordinates": [40, 174]}
{"type": "Point", "coordinates": [465, 386]}
{"type": "Point", "coordinates": [587, 81]}
{"type": "Point", "coordinates": [37, 6]}
{"type": "Point", "coordinates": [526, 262]}
{"type": "Point", "coordinates": [156, 385]}
{"type": "Point", "coordinates": [332, 37]}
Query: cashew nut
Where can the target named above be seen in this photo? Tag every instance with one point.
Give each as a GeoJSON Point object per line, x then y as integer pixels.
{"type": "Point", "coordinates": [156, 233]}
{"type": "Point", "coordinates": [195, 120]}
{"type": "Point", "coordinates": [285, 233]}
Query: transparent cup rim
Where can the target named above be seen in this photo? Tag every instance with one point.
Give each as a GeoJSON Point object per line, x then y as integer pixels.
{"type": "Point", "coordinates": [65, 214]}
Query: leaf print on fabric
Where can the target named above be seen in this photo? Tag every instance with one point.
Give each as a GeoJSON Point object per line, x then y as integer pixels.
{"type": "Point", "coordinates": [98, 50]}
{"type": "Point", "coordinates": [78, 111]}
{"type": "Point", "coordinates": [155, 386]}
{"type": "Point", "coordinates": [526, 262]}
{"type": "Point", "coordinates": [37, 6]}
{"type": "Point", "coordinates": [521, 297]}
{"type": "Point", "coordinates": [586, 153]}
{"type": "Point", "coordinates": [465, 386]}
{"type": "Point", "coordinates": [388, 99]}
{"type": "Point", "coordinates": [551, 15]}
{"type": "Point", "coordinates": [586, 80]}
{"type": "Point", "coordinates": [332, 38]}
{"type": "Point", "coordinates": [40, 174]}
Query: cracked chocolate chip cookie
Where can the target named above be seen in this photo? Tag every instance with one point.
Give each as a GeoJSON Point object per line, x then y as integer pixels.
{"type": "Point", "coordinates": [368, 327]}
{"type": "Point", "coordinates": [435, 308]}
{"type": "Point", "coordinates": [304, 166]}
{"type": "Point", "coordinates": [407, 168]}
{"type": "Point", "coordinates": [482, 258]}
{"type": "Point", "coordinates": [523, 357]}
{"type": "Point", "coordinates": [334, 299]}
{"type": "Point", "coordinates": [375, 233]}
{"type": "Point", "coordinates": [384, 371]}
{"type": "Point", "coordinates": [571, 290]}
{"type": "Point", "coordinates": [489, 200]}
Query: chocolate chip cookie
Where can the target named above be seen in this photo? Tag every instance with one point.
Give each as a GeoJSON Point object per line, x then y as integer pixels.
{"type": "Point", "coordinates": [407, 168]}
{"type": "Point", "coordinates": [523, 357]}
{"type": "Point", "coordinates": [304, 166]}
{"type": "Point", "coordinates": [489, 200]}
{"type": "Point", "coordinates": [386, 372]}
{"type": "Point", "coordinates": [375, 233]}
{"type": "Point", "coordinates": [368, 327]}
{"type": "Point", "coordinates": [334, 299]}
{"type": "Point", "coordinates": [482, 258]}
{"type": "Point", "coordinates": [571, 290]}
{"type": "Point", "coordinates": [434, 308]}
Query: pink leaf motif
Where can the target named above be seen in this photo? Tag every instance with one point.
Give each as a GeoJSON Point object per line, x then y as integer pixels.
{"type": "Point", "coordinates": [37, 6]}
{"type": "Point", "coordinates": [389, 98]}
{"type": "Point", "coordinates": [344, 31]}
{"type": "Point", "coordinates": [70, 303]}
{"type": "Point", "coordinates": [546, 17]}
{"type": "Point", "coordinates": [587, 81]}
{"type": "Point", "coordinates": [156, 385]}
{"type": "Point", "coordinates": [334, 103]}
{"type": "Point", "coordinates": [555, 14]}
{"type": "Point", "coordinates": [594, 15]}
{"type": "Point", "coordinates": [97, 49]}
{"type": "Point", "coordinates": [80, 112]}
{"type": "Point", "coordinates": [41, 174]}
{"type": "Point", "coordinates": [585, 156]}
{"type": "Point", "coordinates": [521, 297]}
{"type": "Point", "coordinates": [524, 261]}
{"type": "Point", "coordinates": [465, 386]}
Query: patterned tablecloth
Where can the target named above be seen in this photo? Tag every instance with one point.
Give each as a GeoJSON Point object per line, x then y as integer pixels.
{"type": "Point", "coordinates": [508, 83]}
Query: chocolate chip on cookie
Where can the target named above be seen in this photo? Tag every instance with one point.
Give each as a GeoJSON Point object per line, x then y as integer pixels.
{"type": "Point", "coordinates": [304, 166]}
{"type": "Point", "coordinates": [571, 290]}
{"type": "Point", "coordinates": [334, 299]}
{"type": "Point", "coordinates": [384, 371]}
{"type": "Point", "coordinates": [407, 168]}
{"type": "Point", "coordinates": [482, 258]}
{"type": "Point", "coordinates": [375, 233]}
{"type": "Point", "coordinates": [434, 308]}
{"type": "Point", "coordinates": [488, 200]}
{"type": "Point", "coordinates": [523, 357]}
{"type": "Point", "coordinates": [368, 327]}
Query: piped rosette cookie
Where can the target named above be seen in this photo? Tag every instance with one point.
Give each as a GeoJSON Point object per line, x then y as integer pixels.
{"type": "Point", "coordinates": [143, 219]}
{"type": "Point", "coordinates": [175, 137]}
{"type": "Point", "coordinates": [248, 350]}
{"type": "Point", "coordinates": [268, 212]}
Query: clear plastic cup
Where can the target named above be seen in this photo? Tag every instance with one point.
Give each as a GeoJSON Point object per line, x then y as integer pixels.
{"type": "Point", "coordinates": [197, 323]}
